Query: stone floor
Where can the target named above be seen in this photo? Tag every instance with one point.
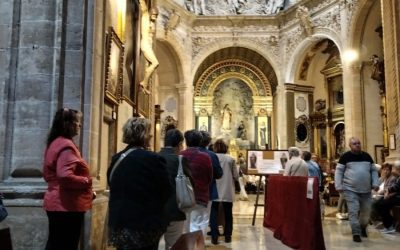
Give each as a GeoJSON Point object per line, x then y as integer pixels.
{"type": "Point", "coordinates": [337, 233]}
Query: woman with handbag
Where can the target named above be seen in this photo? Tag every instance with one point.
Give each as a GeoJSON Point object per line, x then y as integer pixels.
{"type": "Point", "coordinates": [226, 193]}
{"type": "Point", "coordinates": [69, 194]}
{"type": "Point", "coordinates": [173, 144]}
{"type": "Point", "coordinates": [139, 190]}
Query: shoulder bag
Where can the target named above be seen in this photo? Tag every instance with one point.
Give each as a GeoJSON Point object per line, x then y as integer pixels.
{"type": "Point", "coordinates": [3, 210]}
{"type": "Point", "coordinates": [123, 155]}
{"type": "Point", "coordinates": [184, 189]}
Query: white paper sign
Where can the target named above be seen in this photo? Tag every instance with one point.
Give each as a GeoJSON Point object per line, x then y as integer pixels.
{"type": "Point", "coordinates": [310, 184]}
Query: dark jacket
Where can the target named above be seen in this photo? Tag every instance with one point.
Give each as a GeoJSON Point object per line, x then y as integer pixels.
{"type": "Point", "coordinates": [173, 213]}
{"type": "Point", "coordinates": [217, 172]}
{"type": "Point", "coordinates": [139, 190]}
{"type": "Point", "coordinates": [395, 188]}
{"type": "Point", "coordinates": [201, 169]}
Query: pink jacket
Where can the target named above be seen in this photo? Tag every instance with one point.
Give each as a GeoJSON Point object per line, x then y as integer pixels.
{"type": "Point", "coordinates": [67, 174]}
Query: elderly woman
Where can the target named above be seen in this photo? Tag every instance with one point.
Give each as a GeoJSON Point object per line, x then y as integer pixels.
{"type": "Point", "coordinates": [226, 192]}
{"type": "Point", "coordinates": [69, 192]}
{"type": "Point", "coordinates": [139, 190]}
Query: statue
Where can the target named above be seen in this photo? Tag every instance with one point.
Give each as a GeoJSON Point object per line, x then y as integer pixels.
{"type": "Point", "coordinates": [263, 130]}
{"type": "Point", "coordinates": [378, 73]}
{"type": "Point", "coordinates": [241, 133]}
{"type": "Point", "coordinates": [274, 6]}
{"type": "Point", "coordinates": [204, 127]}
{"type": "Point", "coordinates": [283, 160]}
{"type": "Point", "coordinates": [236, 5]}
{"type": "Point", "coordinates": [202, 7]}
{"type": "Point", "coordinates": [304, 16]}
{"type": "Point", "coordinates": [147, 31]}
{"type": "Point", "coordinates": [226, 118]}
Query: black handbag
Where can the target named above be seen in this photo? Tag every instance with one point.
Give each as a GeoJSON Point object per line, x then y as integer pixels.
{"type": "Point", "coordinates": [3, 210]}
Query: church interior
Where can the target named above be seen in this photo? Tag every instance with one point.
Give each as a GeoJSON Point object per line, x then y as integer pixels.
{"type": "Point", "coordinates": [260, 74]}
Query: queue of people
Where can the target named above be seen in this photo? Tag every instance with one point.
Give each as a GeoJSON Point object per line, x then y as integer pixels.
{"type": "Point", "coordinates": [142, 202]}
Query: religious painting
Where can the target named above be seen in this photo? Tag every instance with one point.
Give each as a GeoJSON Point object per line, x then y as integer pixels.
{"type": "Point", "coordinates": [114, 60]}
{"type": "Point", "coordinates": [262, 132]}
{"type": "Point", "coordinates": [202, 124]}
{"type": "Point", "coordinates": [266, 161]}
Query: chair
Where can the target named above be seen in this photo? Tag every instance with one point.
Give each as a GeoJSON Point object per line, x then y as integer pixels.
{"type": "Point", "coordinates": [190, 241]}
{"type": "Point", "coordinates": [333, 194]}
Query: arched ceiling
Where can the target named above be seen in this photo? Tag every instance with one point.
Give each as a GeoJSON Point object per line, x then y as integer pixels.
{"type": "Point", "coordinates": [239, 53]}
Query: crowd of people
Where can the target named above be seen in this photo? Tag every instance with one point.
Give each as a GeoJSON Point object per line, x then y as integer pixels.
{"type": "Point", "coordinates": [142, 202]}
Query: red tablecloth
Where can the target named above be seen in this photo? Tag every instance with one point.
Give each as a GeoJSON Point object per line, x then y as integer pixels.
{"type": "Point", "coordinates": [294, 219]}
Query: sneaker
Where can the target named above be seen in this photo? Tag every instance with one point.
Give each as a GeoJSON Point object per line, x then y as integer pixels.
{"type": "Point", "coordinates": [339, 216]}
{"type": "Point", "coordinates": [388, 230]}
{"type": "Point", "coordinates": [364, 233]}
{"type": "Point", "coordinates": [345, 216]}
{"type": "Point", "coordinates": [356, 238]}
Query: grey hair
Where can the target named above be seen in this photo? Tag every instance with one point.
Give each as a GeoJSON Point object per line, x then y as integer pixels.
{"type": "Point", "coordinates": [136, 131]}
{"type": "Point", "coordinates": [294, 151]}
{"type": "Point", "coordinates": [396, 164]}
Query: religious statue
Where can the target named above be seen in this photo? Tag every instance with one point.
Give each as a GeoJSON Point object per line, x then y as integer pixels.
{"type": "Point", "coordinates": [378, 73]}
{"type": "Point", "coordinates": [203, 127]}
{"type": "Point", "coordinates": [263, 130]}
{"type": "Point", "coordinates": [147, 31]}
{"type": "Point", "coordinates": [274, 6]}
{"type": "Point", "coordinates": [226, 117]}
{"type": "Point", "coordinates": [236, 5]}
{"type": "Point", "coordinates": [202, 3]}
{"type": "Point", "coordinates": [304, 16]}
{"type": "Point", "coordinates": [241, 133]}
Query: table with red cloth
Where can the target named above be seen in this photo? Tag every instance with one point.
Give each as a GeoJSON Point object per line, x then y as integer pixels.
{"type": "Point", "coordinates": [294, 219]}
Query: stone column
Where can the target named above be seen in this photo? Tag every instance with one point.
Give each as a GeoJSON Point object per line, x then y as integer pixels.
{"type": "Point", "coordinates": [391, 46]}
{"type": "Point", "coordinates": [353, 95]}
{"type": "Point", "coordinates": [185, 110]}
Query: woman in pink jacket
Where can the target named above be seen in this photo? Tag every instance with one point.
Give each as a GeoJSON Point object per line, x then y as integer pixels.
{"type": "Point", "coordinates": [69, 193]}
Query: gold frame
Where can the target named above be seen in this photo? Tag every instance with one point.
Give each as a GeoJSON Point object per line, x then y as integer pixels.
{"type": "Point", "coordinates": [114, 62]}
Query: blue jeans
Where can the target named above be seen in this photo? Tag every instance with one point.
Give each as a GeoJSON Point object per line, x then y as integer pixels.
{"type": "Point", "coordinates": [359, 208]}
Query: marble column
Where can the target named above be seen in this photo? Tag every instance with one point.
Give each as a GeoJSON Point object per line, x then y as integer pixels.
{"type": "Point", "coordinates": [391, 47]}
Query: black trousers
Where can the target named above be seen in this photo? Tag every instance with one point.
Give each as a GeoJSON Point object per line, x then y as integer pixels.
{"type": "Point", "coordinates": [384, 206]}
{"type": "Point", "coordinates": [214, 218]}
{"type": "Point", "coordinates": [64, 230]}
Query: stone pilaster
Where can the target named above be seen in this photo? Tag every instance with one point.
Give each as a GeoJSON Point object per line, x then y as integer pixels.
{"type": "Point", "coordinates": [353, 95]}
{"type": "Point", "coordinates": [185, 111]}
{"type": "Point", "coordinates": [391, 46]}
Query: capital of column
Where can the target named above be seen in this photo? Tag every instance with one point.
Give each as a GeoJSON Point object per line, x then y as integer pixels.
{"type": "Point", "coordinates": [182, 88]}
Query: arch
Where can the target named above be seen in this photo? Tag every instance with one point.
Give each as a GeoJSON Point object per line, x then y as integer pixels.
{"type": "Point", "coordinates": [357, 20]}
{"type": "Point", "coordinates": [252, 45]}
{"type": "Point", "coordinates": [179, 60]}
{"type": "Point", "coordinates": [295, 60]}
{"type": "Point", "coordinates": [245, 71]}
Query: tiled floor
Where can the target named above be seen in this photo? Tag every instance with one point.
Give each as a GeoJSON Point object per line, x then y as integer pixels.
{"type": "Point", "coordinates": [337, 233]}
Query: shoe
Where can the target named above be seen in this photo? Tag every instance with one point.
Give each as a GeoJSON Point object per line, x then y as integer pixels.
{"type": "Point", "coordinates": [364, 233]}
{"type": "Point", "coordinates": [345, 216]}
{"type": "Point", "coordinates": [388, 230]}
{"type": "Point", "coordinates": [214, 240]}
{"type": "Point", "coordinates": [356, 238]}
{"type": "Point", "coordinates": [339, 216]}
{"type": "Point", "coordinates": [228, 239]}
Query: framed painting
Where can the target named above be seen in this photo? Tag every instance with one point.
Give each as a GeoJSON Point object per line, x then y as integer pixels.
{"type": "Point", "coordinates": [262, 132]}
{"type": "Point", "coordinates": [114, 61]}
{"type": "Point", "coordinates": [203, 123]}
{"type": "Point", "coordinates": [379, 156]}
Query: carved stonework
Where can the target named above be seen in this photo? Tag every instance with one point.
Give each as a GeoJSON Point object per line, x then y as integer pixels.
{"type": "Point", "coordinates": [303, 15]}
{"type": "Point", "coordinates": [330, 20]}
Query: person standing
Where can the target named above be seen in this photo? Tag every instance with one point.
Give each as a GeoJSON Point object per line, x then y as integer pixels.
{"type": "Point", "coordinates": [226, 193]}
{"type": "Point", "coordinates": [295, 166]}
{"type": "Point", "coordinates": [202, 172]}
{"type": "Point", "coordinates": [173, 144]}
{"type": "Point", "coordinates": [139, 190]}
{"type": "Point", "coordinates": [69, 193]}
{"type": "Point", "coordinates": [355, 176]}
